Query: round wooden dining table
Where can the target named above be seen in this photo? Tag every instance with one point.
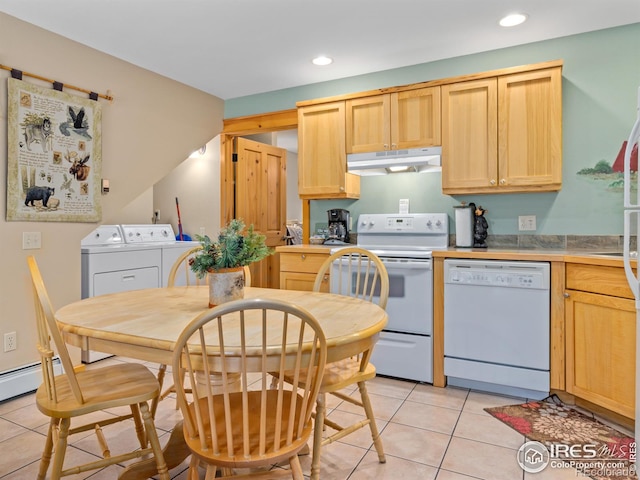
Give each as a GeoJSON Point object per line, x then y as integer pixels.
{"type": "Point", "coordinates": [144, 325]}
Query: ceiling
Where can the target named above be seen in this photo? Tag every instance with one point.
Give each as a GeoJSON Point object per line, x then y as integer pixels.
{"type": "Point", "coordinates": [233, 48]}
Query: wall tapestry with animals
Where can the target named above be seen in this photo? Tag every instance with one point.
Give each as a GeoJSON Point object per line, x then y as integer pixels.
{"type": "Point", "coordinates": [54, 155]}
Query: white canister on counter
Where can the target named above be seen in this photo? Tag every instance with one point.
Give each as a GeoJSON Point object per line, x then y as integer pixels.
{"type": "Point", "coordinates": [464, 225]}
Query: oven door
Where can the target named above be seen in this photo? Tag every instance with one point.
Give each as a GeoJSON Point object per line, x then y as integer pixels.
{"type": "Point", "coordinates": [410, 304]}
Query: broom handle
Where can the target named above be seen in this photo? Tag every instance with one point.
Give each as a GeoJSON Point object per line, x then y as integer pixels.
{"type": "Point", "coordinates": [179, 220]}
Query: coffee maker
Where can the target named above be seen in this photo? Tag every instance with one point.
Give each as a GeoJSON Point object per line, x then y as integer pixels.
{"type": "Point", "coordinates": [338, 225]}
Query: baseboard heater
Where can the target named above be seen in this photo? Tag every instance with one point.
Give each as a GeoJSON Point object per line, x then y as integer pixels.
{"type": "Point", "coordinates": [24, 379]}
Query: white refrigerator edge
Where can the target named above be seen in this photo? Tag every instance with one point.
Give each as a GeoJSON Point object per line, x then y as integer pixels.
{"type": "Point", "coordinates": [632, 223]}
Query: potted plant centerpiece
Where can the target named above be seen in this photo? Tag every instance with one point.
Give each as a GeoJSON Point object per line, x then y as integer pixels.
{"type": "Point", "coordinates": [224, 260]}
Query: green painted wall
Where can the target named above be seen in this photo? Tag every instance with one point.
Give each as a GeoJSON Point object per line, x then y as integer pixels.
{"type": "Point", "coordinates": [601, 76]}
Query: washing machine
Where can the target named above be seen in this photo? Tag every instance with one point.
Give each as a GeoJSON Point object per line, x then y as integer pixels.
{"type": "Point", "coordinates": [117, 258]}
{"type": "Point", "coordinates": [163, 237]}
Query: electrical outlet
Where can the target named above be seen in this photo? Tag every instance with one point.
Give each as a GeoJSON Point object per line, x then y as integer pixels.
{"type": "Point", "coordinates": [10, 341]}
{"type": "Point", "coordinates": [526, 222]}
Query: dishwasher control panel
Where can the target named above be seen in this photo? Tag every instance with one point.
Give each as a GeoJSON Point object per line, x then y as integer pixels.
{"type": "Point", "coordinates": [527, 275]}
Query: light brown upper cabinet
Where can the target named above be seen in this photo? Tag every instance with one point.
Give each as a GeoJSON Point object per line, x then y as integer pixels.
{"type": "Point", "coordinates": [322, 159]}
{"type": "Point", "coordinates": [503, 134]}
{"type": "Point", "coordinates": [392, 121]}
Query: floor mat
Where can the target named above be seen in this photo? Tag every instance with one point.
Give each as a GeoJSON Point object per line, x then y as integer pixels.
{"type": "Point", "coordinates": [570, 438]}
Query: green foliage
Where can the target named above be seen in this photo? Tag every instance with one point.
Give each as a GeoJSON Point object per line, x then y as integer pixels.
{"type": "Point", "coordinates": [601, 167]}
{"type": "Point", "coordinates": [232, 249]}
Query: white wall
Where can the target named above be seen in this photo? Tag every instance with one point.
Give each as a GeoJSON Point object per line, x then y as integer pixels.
{"type": "Point", "coordinates": [294, 204]}
{"type": "Point", "coordinates": [152, 125]}
{"type": "Point", "coordinates": [196, 183]}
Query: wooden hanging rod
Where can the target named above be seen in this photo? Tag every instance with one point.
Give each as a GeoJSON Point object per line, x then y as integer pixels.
{"type": "Point", "coordinates": [48, 80]}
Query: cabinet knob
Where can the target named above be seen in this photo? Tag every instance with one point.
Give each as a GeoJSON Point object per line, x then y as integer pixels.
{"type": "Point", "coordinates": [566, 295]}
{"type": "Point", "coordinates": [325, 278]}
{"type": "Point", "coordinates": [393, 146]}
{"type": "Point", "coordinates": [502, 181]}
{"type": "Point", "coordinates": [386, 146]}
{"type": "Point", "coordinates": [342, 189]}
{"type": "Point", "coordinates": [492, 181]}
{"type": "Point", "coordinates": [303, 256]}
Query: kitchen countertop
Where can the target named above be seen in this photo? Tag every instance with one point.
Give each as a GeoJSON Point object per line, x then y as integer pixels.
{"type": "Point", "coordinates": [603, 257]}
{"type": "Point", "coordinates": [304, 248]}
{"type": "Point", "coordinates": [607, 258]}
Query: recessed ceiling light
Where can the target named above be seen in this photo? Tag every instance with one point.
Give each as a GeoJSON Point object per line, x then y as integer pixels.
{"type": "Point", "coordinates": [513, 19]}
{"type": "Point", "coordinates": [322, 60]}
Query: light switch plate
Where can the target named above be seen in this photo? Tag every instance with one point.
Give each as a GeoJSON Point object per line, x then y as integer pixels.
{"type": "Point", "coordinates": [31, 240]}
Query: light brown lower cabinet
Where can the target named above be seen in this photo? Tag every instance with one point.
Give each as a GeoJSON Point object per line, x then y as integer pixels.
{"type": "Point", "coordinates": [298, 270]}
{"type": "Point", "coordinates": [600, 340]}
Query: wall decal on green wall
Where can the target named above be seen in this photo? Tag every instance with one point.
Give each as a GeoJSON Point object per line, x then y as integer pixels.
{"type": "Point", "coordinates": [613, 175]}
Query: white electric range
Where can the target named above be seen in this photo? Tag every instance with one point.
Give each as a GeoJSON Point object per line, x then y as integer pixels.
{"type": "Point", "coordinates": [404, 242]}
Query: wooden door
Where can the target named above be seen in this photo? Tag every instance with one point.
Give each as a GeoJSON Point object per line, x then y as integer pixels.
{"type": "Point", "coordinates": [530, 129]}
{"type": "Point", "coordinates": [601, 349]}
{"type": "Point", "coordinates": [469, 136]}
{"type": "Point", "coordinates": [415, 118]}
{"type": "Point", "coordinates": [368, 124]}
{"type": "Point", "coordinates": [260, 200]}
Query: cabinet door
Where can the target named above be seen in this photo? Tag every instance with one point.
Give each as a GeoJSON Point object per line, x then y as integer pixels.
{"type": "Point", "coordinates": [600, 350]}
{"type": "Point", "coordinates": [368, 121]}
{"type": "Point", "coordinates": [469, 136]}
{"type": "Point", "coordinates": [322, 162]}
{"type": "Point", "coordinates": [530, 129]}
{"type": "Point", "coordinates": [415, 118]}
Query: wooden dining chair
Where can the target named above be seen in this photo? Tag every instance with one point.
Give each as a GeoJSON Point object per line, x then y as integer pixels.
{"type": "Point", "coordinates": [73, 395]}
{"type": "Point", "coordinates": [247, 424]}
{"type": "Point", "coordinates": [181, 271]}
{"type": "Point", "coordinates": [359, 273]}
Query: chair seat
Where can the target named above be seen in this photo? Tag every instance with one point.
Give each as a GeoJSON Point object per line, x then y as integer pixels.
{"type": "Point", "coordinates": [238, 460]}
{"type": "Point", "coordinates": [338, 375]}
{"type": "Point", "coordinates": [127, 384]}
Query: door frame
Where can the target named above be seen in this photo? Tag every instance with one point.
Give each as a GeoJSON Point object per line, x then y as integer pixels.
{"type": "Point", "coordinates": [251, 125]}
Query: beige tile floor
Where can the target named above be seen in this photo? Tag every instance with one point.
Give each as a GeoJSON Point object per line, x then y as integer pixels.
{"type": "Point", "coordinates": [428, 433]}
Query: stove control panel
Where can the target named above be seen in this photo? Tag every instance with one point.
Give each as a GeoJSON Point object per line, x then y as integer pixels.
{"type": "Point", "coordinates": [419, 223]}
{"type": "Point", "coordinates": [412, 231]}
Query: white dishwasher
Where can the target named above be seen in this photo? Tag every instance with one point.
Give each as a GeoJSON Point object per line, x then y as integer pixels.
{"type": "Point", "coordinates": [496, 326]}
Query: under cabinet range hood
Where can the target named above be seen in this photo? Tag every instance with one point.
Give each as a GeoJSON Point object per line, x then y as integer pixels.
{"type": "Point", "coordinates": [427, 159]}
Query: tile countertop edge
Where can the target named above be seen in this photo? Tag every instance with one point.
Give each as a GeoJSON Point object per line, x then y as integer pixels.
{"type": "Point", "coordinates": [541, 255]}
{"type": "Point", "coordinates": [304, 248]}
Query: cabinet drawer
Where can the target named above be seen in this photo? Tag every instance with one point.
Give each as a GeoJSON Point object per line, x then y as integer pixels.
{"type": "Point", "coordinates": [302, 281]}
{"type": "Point", "coordinates": [302, 262]}
{"type": "Point", "coordinates": [598, 279]}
